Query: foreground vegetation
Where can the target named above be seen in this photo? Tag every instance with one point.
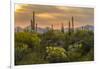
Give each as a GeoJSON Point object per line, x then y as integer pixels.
{"type": "Point", "coordinates": [53, 47]}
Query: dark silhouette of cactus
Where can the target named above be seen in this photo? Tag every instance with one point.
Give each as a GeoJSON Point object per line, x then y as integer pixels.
{"type": "Point", "coordinates": [52, 27]}
{"type": "Point", "coordinates": [33, 22]}
{"type": "Point", "coordinates": [31, 25]}
{"type": "Point", "coordinates": [72, 24]}
{"type": "Point", "coordinates": [62, 28]}
{"type": "Point", "coordinates": [36, 27]}
{"type": "Point", "coordinates": [69, 28]}
{"type": "Point", "coordinates": [82, 28]}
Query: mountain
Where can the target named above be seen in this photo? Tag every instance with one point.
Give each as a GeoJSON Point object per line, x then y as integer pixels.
{"type": "Point", "coordinates": [42, 30]}
{"type": "Point", "coordinates": [39, 30]}
{"type": "Point", "coordinates": [18, 29]}
{"type": "Point", "coordinates": [87, 27]}
{"type": "Point", "coordinates": [28, 28]}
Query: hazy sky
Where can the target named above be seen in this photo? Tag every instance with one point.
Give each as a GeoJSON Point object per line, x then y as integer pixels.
{"type": "Point", "coordinates": [46, 15]}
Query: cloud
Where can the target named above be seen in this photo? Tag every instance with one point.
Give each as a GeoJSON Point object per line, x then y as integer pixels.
{"type": "Point", "coordinates": [46, 15]}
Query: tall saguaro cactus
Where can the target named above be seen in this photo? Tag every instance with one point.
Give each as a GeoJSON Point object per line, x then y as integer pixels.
{"type": "Point", "coordinates": [69, 28]}
{"type": "Point", "coordinates": [72, 24]}
{"type": "Point", "coordinates": [33, 22]}
{"type": "Point", "coordinates": [62, 28]}
{"type": "Point", "coordinates": [52, 27]}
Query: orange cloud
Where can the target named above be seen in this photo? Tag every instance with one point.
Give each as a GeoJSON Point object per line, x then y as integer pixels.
{"type": "Point", "coordinates": [45, 16]}
{"type": "Point", "coordinates": [62, 8]}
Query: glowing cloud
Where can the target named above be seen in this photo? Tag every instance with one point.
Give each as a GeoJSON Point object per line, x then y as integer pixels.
{"type": "Point", "coordinates": [47, 15]}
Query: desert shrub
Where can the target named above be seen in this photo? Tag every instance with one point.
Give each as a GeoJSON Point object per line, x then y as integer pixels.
{"type": "Point", "coordinates": [32, 58]}
{"type": "Point", "coordinates": [56, 54]}
{"type": "Point", "coordinates": [20, 52]}
{"type": "Point", "coordinates": [75, 52]}
{"type": "Point", "coordinates": [32, 40]}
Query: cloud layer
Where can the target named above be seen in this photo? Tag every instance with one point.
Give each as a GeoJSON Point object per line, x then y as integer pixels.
{"type": "Point", "coordinates": [47, 15]}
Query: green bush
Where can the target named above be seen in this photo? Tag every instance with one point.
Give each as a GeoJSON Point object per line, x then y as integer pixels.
{"type": "Point", "coordinates": [75, 52]}
{"type": "Point", "coordinates": [32, 58]}
{"type": "Point", "coordinates": [20, 52]}
{"type": "Point", "coordinates": [53, 47]}
{"type": "Point", "coordinates": [31, 39]}
{"type": "Point", "coordinates": [53, 38]}
{"type": "Point", "coordinates": [56, 54]}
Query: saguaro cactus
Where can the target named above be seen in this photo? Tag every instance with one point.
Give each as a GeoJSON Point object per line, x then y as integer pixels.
{"type": "Point", "coordinates": [69, 28]}
{"type": "Point", "coordinates": [52, 27]}
{"type": "Point", "coordinates": [33, 22]}
{"type": "Point", "coordinates": [62, 28]}
{"type": "Point", "coordinates": [72, 24]}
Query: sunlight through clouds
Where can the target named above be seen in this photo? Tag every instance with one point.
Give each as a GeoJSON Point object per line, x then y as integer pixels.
{"type": "Point", "coordinates": [46, 15]}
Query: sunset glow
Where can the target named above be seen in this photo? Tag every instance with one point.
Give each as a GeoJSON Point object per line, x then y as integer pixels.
{"type": "Point", "coordinates": [47, 15]}
{"type": "Point", "coordinates": [17, 7]}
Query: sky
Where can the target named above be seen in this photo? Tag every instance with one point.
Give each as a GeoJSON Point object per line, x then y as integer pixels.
{"type": "Point", "coordinates": [46, 15]}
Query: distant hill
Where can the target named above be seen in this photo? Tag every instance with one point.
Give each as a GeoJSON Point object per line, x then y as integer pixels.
{"type": "Point", "coordinates": [18, 29]}
{"type": "Point", "coordinates": [39, 30]}
{"type": "Point", "coordinates": [87, 27]}
{"type": "Point", "coordinates": [42, 30]}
